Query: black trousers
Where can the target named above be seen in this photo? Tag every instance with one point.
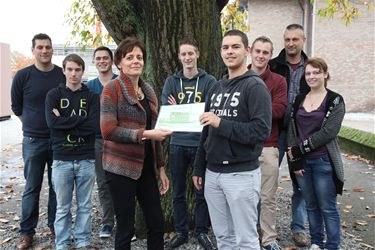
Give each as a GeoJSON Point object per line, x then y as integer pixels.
{"type": "Point", "coordinates": [124, 190]}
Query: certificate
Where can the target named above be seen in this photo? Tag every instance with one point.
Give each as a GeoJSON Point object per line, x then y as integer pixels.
{"type": "Point", "coordinates": [181, 117]}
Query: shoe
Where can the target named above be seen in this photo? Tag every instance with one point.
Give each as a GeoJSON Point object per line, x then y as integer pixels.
{"type": "Point", "coordinates": [205, 242]}
{"type": "Point", "coordinates": [300, 239]}
{"type": "Point", "coordinates": [178, 240]}
{"type": "Point", "coordinates": [105, 232]}
{"type": "Point", "coordinates": [314, 247]}
{"type": "Point", "coordinates": [25, 242]}
{"type": "Point", "coordinates": [89, 247]}
{"type": "Point", "coordinates": [134, 238]}
{"type": "Point", "coordinates": [273, 246]}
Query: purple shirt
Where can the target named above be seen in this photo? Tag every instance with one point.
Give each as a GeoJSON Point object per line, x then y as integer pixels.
{"type": "Point", "coordinates": [308, 123]}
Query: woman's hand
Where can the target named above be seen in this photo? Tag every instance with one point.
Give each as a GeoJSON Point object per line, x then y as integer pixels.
{"type": "Point", "coordinates": [164, 181]}
{"type": "Point", "coordinates": [299, 172]}
{"type": "Point", "coordinates": [156, 134]}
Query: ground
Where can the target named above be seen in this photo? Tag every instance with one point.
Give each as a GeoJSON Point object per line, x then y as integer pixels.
{"type": "Point", "coordinates": [356, 205]}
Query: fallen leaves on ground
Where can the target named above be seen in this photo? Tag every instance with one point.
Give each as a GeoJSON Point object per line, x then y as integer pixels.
{"type": "Point", "coordinates": [358, 190]}
{"type": "Point", "coordinates": [285, 178]}
{"type": "Point", "coordinates": [372, 216]}
{"type": "Point", "coordinates": [5, 240]}
{"type": "Point", "coordinates": [361, 222]}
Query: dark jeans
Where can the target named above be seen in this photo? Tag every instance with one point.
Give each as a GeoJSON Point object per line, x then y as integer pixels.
{"type": "Point", "coordinates": [124, 190]}
{"type": "Point", "coordinates": [299, 213]}
{"type": "Point", "coordinates": [36, 153]}
{"type": "Point", "coordinates": [180, 159]}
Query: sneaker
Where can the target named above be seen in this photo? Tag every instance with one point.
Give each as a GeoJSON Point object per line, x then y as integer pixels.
{"type": "Point", "coordinates": [105, 232]}
{"type": "Point", "coordinates": [314, 247]}
{"type": "Point", "coordinates": [273, 246]}
{"type": "Point", "coordinates": [134, 238]}
{"type": "Point", "coordinates": [205, 242]}
{"type": "Point", "coordinates": [178, 240]}
{"type": "Point", "coordinates": [300, 239]}
{"type": "Point", "coordinates": [89, 247]}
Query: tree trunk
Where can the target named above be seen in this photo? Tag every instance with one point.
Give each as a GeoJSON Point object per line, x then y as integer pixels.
{"type": "Point", "coordinates": [160, 24]}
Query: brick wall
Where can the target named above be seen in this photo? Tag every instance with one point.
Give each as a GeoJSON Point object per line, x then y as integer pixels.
{"type": "Point", "coordinates": [348, 50]}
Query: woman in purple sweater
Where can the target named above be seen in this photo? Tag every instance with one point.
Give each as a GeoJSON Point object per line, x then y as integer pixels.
{"type": "Point", "coordinates": [314, 154]}
{"type": "Point", "coordinates": [132, 153]}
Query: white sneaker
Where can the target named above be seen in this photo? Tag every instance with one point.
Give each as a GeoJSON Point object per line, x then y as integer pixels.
{"type": "Point", "coordinates": [314, 247]}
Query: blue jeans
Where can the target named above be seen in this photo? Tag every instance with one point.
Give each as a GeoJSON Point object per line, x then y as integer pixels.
{"type": "Point", "coordinates": [319, 191]}
{"type": "Point", "coordinates": [36, 153]}
{"type": "Point", "coordinates": [66, 175]}
{"type": "Point", "coordinates": [180, 159]}
{"type": "Point", "coordinates": [299, 214]}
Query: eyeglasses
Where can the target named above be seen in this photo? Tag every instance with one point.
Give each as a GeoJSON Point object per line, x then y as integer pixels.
{"type": "Point", "coordinates": [314, 73]}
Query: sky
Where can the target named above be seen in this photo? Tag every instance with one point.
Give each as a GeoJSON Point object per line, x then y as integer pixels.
{"type": "Point", "coordinates": [20, 20]}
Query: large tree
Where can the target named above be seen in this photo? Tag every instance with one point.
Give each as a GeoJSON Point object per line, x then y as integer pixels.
{"type": "Point", "coordinates": [160, 24]}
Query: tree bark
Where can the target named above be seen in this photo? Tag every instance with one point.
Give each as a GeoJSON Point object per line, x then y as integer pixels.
{"type": "Point", "coordinates": [160, 24]}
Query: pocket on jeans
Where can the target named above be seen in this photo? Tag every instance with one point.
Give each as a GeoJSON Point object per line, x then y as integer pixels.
{"type": "Point", "coordinates": [325, 158]}
{"type": "Point", "coordinates": [56, 163]}
{"type": "Point", "coordinates": [28, 140]}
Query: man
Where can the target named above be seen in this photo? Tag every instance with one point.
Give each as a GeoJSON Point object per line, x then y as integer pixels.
{"type": "Point", "coordinates": [190, 85]}
{"type": "Point", "coordinates": [29, 88]}
{"type": "Point", "coordinates": [72, 114]}
{"type": "Point", "coordinates": [261, 53]}
{"type": "Point", "coordinates": [237, 122]}
{"type": "Point", "coordinates": [290, 64]}
{"type": "Point", "coordinates": [103, 59]}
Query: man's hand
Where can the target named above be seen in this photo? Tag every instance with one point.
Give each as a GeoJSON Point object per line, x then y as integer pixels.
{"type": "Point", "coordinates": [56, 112]}
{"type": "Point", "coordinates": [164, 181]}
{"type": "Point", "coordinates": [198, 182]}
{"type": "Point", "coordinates": [209, 118]}
{"type": "Point", "coordinates": [171, 100]}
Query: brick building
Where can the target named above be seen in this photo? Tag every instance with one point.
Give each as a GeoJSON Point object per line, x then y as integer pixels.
{"type": "Point", "coordinates": [348, 50]}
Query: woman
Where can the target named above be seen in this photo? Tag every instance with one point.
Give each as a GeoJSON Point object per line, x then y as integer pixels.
{"type": "Point", "coordinates": [132, 149]}
{"type": "Point", "coordinates": [314, 154]}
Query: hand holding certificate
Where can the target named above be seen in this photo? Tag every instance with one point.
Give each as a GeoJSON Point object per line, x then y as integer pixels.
{"type": "Point", "coordinates": [182, 117]}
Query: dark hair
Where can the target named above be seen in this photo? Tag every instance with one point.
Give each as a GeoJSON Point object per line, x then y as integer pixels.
{"type": "Point", "coordinates": [263, 39]}
{"type": "Point", "coordinates": [188, 40]}
{"type": "Point", "coordinates": [319, 63]}
{"type": "Point", "coordinates": [239, 33]}
{"type": "Point", "coordinates": [40, 36]}
{"type": "Point", "coordinates": [126, 46]}
{"type": "Point", "coordinates": [294, 26]}
{"type": "Point", "coordinates": [104, 48]}
{"type": "Point", "coordinates": [74, 58]}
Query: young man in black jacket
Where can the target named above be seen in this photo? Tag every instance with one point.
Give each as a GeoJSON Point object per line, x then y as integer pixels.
{"type": "Point", "coordinates": [72, 114]}
{"type": "Point", "coordinates": [237, 121]}
{"type": "Point", "coordinates": [290, 64]}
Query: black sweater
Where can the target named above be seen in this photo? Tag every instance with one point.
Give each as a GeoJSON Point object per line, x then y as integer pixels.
{"type": "Point", "coordinates": [73, 132]}
{"type": "Point", "coordinates": [244, 106]}
{"type": "Point", "coordinates": [29, 89]}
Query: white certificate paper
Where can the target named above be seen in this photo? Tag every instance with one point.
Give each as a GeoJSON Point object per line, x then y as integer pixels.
{"type": "Point", "coordinates": [181, 117]}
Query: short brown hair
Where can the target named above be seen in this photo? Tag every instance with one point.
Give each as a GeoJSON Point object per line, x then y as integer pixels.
{"type": "Point", "coordinates": [74, 58]}
{"type": "Point", "coordinates": [189, 41]}
{"type": "Point", "coordinates": [127, 45]}
{"type": "Point", "coordinates": [319, 63]}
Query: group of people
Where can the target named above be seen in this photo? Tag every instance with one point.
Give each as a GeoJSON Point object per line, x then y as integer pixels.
{"type": "Point", "coordinates": [105, 130]}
